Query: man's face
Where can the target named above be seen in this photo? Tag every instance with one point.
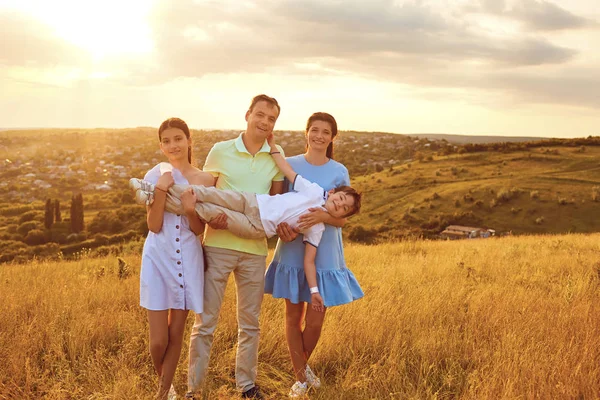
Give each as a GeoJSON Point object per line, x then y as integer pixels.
{"type": "Point", "coordinates": [261, 120]}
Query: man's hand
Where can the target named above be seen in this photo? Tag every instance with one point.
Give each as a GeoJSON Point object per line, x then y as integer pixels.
{"type": "Point", "coordinates": [314, 216]}
{"type": "Point", "coordinates": [219, 222]}
{"type": "Point", "coordinates": [286, 233]}
{"type": "Point", "coordinates": [316, 302]}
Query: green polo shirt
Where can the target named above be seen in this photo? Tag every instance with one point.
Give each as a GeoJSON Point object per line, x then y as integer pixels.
{"type": "Point", "coordinates": [237, 169]}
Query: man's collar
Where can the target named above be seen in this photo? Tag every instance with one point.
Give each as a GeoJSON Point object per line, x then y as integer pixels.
{"type": "Point", "coordinates": [241, 147]}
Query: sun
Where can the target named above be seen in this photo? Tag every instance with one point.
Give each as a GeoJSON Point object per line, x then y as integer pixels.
{"type": "Point", "coordinates": [104, 28]}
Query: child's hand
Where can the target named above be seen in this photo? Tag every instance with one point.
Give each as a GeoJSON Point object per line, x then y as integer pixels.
{"type": "Point", "coordinates": [218, 222]}
{"type": "Point", "coordinates": [316, 302]}
{"type": "Point", "coordinates": [188, 201]}
{"type": "Point", "coordinates": [165, 181]}
{"type": "Point", "coordinates": [313, 217]}
{"type": "Point", "coordinates": [271, 139]}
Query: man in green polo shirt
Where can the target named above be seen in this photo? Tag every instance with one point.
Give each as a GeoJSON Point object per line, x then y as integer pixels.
{"type": "Point", "coordinates": [241, 164]}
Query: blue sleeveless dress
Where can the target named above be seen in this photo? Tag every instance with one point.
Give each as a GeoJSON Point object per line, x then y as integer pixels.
{"type": "Point", "coordinates": [285, 275]}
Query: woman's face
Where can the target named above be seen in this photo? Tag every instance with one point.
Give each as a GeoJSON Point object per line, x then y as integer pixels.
{"type": "Point", "coordinates": [174, 144]}
{"type": "Point", "coordinates": [319, 136]}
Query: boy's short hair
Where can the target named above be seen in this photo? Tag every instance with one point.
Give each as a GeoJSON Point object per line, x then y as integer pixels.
{"type": "Point", "coordinates": [349, 191]}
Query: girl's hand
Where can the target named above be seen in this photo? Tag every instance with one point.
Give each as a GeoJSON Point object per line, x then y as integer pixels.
{"type": "Point", "coordinates": [188, 201]}
{"type": "Point", "coordinates": [286, 233]}
{"type": "Point", "coordinates": [165, 181]}
{"type": "Point", "coordinates": [219, 222]}
{"type": "Point", "coordinates": [313, 217]}
{"type": "Point", "coordinates": [316, 302]}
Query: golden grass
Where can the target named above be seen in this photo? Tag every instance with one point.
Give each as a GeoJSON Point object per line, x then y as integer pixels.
{"type": "Point", "coordinates": [511, 318]}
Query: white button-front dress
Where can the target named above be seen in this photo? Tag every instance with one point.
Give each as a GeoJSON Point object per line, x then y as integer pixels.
{"type": "Point", "coordinates": [172, 274]}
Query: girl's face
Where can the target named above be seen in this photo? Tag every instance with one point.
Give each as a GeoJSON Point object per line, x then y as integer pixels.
{"type": "Point", "coordinates": [319, 135]}
{"type": "Point", "coordinates": [174, 144]}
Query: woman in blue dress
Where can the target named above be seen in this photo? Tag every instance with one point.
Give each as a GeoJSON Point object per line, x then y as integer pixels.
{"type": "Point", "coordinates": [285, 276]}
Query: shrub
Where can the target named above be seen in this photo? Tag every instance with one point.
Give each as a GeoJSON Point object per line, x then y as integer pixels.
{"type": "Point", "coordinates": [479, 203]}
{"type": "Point", "coordinates": [562, 201]}
{"type": "Point", "coordinates": [534, 194]}
{"type": "Point", "coordinates": [456, 203]}
{"type": "Point", "coordinates": [539, 220]}
{"type": "Point", "coordinates": [505, 195]}
{"type": "Point", "coordinates": [25, 227]}
{"type": "Point", "coordinates": [15, 210]}
{"type": "Point", "coordinates": [362, 235]}
{"type": "Point", "coordinates": [35, 237]}
{"type": "Point", "coordinates": [596, 193]}
{"type": "Point", "coordinates": [28, 216]}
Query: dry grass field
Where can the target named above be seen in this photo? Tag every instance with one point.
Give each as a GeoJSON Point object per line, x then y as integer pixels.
{"type": "Point", "coordinates": [510, 318]}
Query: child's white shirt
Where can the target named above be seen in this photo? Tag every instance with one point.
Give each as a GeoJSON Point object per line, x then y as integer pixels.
{"type": "Point", "coordinates": [288, 207]}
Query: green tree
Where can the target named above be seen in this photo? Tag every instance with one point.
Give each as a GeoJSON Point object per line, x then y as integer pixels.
{"type": "Point", "coordinates": [77, 213]}
{"type": "Point", "coordinates": [57, 216]}
{"type": "Point", "coordinates": [48, 214]}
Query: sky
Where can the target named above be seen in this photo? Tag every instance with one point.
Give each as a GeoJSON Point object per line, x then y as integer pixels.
{"type": "Point", "coordinates": [473, 67]}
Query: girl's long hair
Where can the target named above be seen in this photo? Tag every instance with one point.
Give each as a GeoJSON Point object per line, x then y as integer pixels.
{"type": "Point", "coordinates": [179, 124]}
{"type": "Point", "coordinates": [325, 117]}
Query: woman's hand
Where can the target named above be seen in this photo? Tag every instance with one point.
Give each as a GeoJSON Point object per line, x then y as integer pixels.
{"type": "Point", "coordinates": [286, 233]}
{"type": "Point", "coordinates": [188, 201]}
{"type": "Point", "coordinates": [219, 222]}
{"type": "Point", "coordinates": [165, 181]}
{"type": "Point", "coordinates": [313, 217]}
{"type": "Point", "coordinates": [271, 140]}
{"type": "Point", "coordinates": [316, 302]}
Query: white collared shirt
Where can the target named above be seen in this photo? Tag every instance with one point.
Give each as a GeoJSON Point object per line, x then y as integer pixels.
{"type": "Point", "coordinates": [288, 207]}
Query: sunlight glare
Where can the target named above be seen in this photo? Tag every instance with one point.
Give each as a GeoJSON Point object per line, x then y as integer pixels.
{"type": "Point", "coordinates": [103, 28]}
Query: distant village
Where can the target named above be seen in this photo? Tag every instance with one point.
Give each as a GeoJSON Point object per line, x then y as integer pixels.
{"type": "Point", "coordinates": [59, 169]}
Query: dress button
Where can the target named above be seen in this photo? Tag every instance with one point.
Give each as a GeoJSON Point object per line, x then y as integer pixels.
{"type": "Point", "coordinates": [181, 286]}
{"type": "Point", "coordinates": [179, 215]}
{"type": "Point", "coordinates": [177, 239]}
{"type": "Point", "coordinates": [176, 226]}
{"type": "Point", "coordinates": [178, 251]}
{"type": "Point", "coordinates": [178, 262]}
{"type": "Point", "coordinates": [180, 275]}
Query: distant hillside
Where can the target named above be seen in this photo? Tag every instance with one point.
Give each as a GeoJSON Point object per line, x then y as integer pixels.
{"type": "Point", "coordinates": [413, 186]}
{"type": "Point", "coordinates": [537, 190]}
{"type": "Point", "coordinates": [464, 139]}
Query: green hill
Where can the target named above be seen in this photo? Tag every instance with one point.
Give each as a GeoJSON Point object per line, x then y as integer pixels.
{"type": "Point", "coordinates": [529, 191]}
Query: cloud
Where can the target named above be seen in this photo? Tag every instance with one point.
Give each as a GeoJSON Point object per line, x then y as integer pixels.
{"type": "Point", "coordinates": [214, 37]}
{"type": "Point", "coordinates": [417, 43]}
{"type": "Point", "coordinates": [536, 15]}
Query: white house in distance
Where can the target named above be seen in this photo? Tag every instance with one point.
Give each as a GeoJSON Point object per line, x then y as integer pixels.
{"type": "Point", "coordinates": [466, 232]}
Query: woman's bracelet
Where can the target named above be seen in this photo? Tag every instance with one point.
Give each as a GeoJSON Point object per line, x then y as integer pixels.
{"type": "Point", "coordinates": [275, 152]}
{"type": "Point", "coordinates": [314, 289]}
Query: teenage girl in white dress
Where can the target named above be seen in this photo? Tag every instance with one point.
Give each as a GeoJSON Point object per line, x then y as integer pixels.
{"type": "Point", "coordinates": [172, 274]}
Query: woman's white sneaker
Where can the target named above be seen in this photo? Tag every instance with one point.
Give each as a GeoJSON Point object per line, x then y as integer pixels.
{"type": "Point", "coordinates": [311, 378]}
{"type": "Point", "coordinates": [298, 390]}
{"type": "Point", "coordinates": [172, 394]}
